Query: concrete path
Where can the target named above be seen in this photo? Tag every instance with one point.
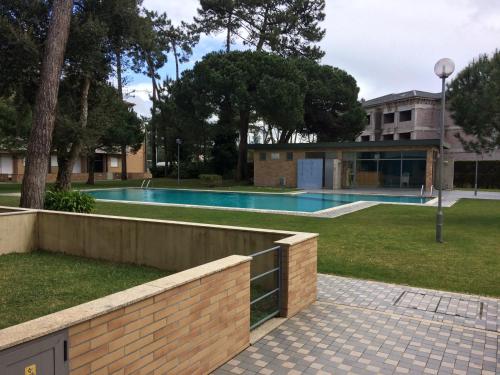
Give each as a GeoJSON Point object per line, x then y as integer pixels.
{"type": "Point", "coordinates": [364, 327]}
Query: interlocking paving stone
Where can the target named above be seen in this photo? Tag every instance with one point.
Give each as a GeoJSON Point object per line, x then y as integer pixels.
{"type": "Point", "coordinates": [383, 297]}
{"type": "Point", "coordinates": [364, 327]}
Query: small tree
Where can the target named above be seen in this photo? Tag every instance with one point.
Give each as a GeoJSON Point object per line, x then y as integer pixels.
{"type": "Point", "coordinates": [128, 133]}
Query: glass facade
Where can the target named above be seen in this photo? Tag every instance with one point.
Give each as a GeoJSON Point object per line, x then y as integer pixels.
{"type": "Point", "coordinates": [389, 169]}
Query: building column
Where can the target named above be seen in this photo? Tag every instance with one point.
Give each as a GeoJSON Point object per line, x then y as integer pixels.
{"type": "Point", "coordinates": [429, 169]}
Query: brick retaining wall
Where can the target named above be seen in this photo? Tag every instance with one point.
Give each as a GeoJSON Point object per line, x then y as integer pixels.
{"type": "Point", "coordinates": [190, 329]}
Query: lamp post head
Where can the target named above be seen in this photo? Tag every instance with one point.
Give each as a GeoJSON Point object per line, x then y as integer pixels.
{"type": "Point", "coordinates": [178, 141]}
{"type": "Point", "coordinates": [444, 68]}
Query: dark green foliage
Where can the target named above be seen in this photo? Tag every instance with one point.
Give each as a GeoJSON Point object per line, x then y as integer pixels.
{"type": "Point", "coordinates": [15, 124]}
{"type": "Point", "coordinates": [332, 109]}
{"type": "Point", "coordinates": [210, 180]}
{"type": "Point", "coordinates": [284, 27]}
{"type": "Point", "coordinates": [157, 172]}
{"type": "Point", "coordinates": [23, 29]}
{"type": "Point", "coordinates": [216, 16]}
{"type": "Point", "coordinates": [129, 133]}
{"type": "Point", "coordinates": [70, 201]}
{"type": "Point", "coordinates": [285, 95]}
{"type": "Point", "coordinates": [474, 100]}
{"type": "Point", "coordinates": [237, 87]}
{"type": "Point", "coordinates": [224, 152]}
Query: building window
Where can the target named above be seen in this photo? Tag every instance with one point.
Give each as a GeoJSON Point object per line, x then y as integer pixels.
{"type": "Point", "coordinates": [114, 162]}
{"type": "Point", "coordinates": [289, 156]}
{"type": "Point", "coordinates": [388, 118]}
{"type": "Point", "coordinates": [262, 156]}
{"type": "Point", "coordinates": [405, 116]}
{"type": "Point", "coordinates": [388, 137]}
{"type": "Point", "coordinates": [365, 138]}
{"type": "Point", "coordinates": [405, 135]}
{"type": "Point", "coordinates": [368, 119]}
{"type": "Point", "coordinates": [275, 156]}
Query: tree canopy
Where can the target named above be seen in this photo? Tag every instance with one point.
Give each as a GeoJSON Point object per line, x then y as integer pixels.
{"type": "Point", "coordinates": [286, 95]}
{"type": "Point", "coordinates": [285, 27]}
{"type": "Point", "coordinates": [474, 101]}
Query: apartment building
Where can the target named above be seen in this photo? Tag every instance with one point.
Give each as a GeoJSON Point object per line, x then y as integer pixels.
{"type": "Point", "coordinates": [416, 115]}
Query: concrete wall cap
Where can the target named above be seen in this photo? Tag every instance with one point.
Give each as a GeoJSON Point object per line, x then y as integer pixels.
{"type": "Point", "coordinates": [297, 238]}
{"type": "Point", "coordinates": [173, 222]}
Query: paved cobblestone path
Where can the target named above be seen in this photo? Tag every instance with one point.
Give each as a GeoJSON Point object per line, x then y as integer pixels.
{"type": "Point", "coordinates": [364, 327]}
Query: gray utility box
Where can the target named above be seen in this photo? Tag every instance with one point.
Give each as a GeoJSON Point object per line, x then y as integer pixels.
{"type": "Point", "coordinates": [47, 355]}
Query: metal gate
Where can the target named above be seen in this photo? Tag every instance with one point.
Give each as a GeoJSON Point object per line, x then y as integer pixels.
{"type": "Point", "coordinates": [260, 315]}
{"type": "Point", "coordinates": [47, 355]}
{"type": "Point", "coordinates": [310, 173]}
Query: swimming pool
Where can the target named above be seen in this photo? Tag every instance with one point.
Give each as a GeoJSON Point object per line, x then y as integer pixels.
{"type": "Point", "coordinates": [307, 202]}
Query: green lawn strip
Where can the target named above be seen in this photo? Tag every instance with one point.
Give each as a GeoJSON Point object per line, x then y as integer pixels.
{"type": "Point", "coordinates": [391, 243]}
{"type": "Point", "coordinates": [39, 283]}
{"type": "Point", "coordinates": [228, 185]}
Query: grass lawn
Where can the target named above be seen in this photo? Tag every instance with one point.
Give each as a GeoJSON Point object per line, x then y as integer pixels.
{"type": "Point", "coordinates": [158, 183]}
{"type": "Point", "coordinates": [391, 243]}
{"type": "Point", "coordinates": [40, 283]}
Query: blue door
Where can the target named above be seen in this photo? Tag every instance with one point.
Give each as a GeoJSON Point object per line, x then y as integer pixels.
{"type": "Point", "coordinates": [310, 173]}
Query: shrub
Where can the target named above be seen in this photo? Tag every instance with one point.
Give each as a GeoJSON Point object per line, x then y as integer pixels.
{"type": "Point", "coordinates": [157, 172]}
{"type": "Point", "coordinates": [70, 201]}
{"type": "Point", "coordinates": [211, 179]}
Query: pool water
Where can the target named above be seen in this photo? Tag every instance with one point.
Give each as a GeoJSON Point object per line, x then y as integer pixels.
{"type": "Point", "coordinates": [307, 202]}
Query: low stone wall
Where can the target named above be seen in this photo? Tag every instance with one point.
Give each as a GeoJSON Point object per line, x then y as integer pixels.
{"type": "Point", "coordinates": [18, 231]}
{"type": "Point", "coordinates": [189, 322]}
{"type": "Point", "coordinates": [169, 245]}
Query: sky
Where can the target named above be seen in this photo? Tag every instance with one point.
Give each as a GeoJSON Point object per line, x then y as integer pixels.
{"type": "Point", "coordinates": [388, 46]}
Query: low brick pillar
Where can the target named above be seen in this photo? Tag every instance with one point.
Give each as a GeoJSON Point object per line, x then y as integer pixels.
{"type": "Point", "coordinates": [299, 277]}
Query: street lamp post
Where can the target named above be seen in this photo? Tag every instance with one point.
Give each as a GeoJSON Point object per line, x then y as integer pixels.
{"type": "Point", "coordinates": [443, 69]}
{"type": "Point", "coordinates": [178, 141]}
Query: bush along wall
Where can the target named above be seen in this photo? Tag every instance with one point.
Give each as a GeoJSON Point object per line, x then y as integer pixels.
{"type": "Point", "coordinates": [488, 176]}
{"type": "Point", "coordinates": [69, 201]}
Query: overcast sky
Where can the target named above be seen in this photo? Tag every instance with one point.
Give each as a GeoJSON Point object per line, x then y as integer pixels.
{"type": "Point", "coordinates": [387, 45]}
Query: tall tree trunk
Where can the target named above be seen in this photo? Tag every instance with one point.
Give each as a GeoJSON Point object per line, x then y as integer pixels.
{"type": "Point", "coordinates": [228, 34]}
{"type": "Point", "coordinates": [262, 31]}
{"type": "Point", "coordinates": [118, 54]}
{"type": "Point", "coordinates": [124, 162]}
{"type": "Point", "coordinates": [176, 58]}
{"type": "Point", "coordinates": [241, 169]}
{"type": "Point", "coordinates": [165, 145]}
{"type": "Point", "coordinates": [40, 140]}
{"type": "Point", "coordinates": [63, 181]}
{"type": "Point", "coordinates": [154, 146]}
{"type": "Point", "coordinates": [91, 169]}
{"type": "Point", "coordinates": [285, 136]}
